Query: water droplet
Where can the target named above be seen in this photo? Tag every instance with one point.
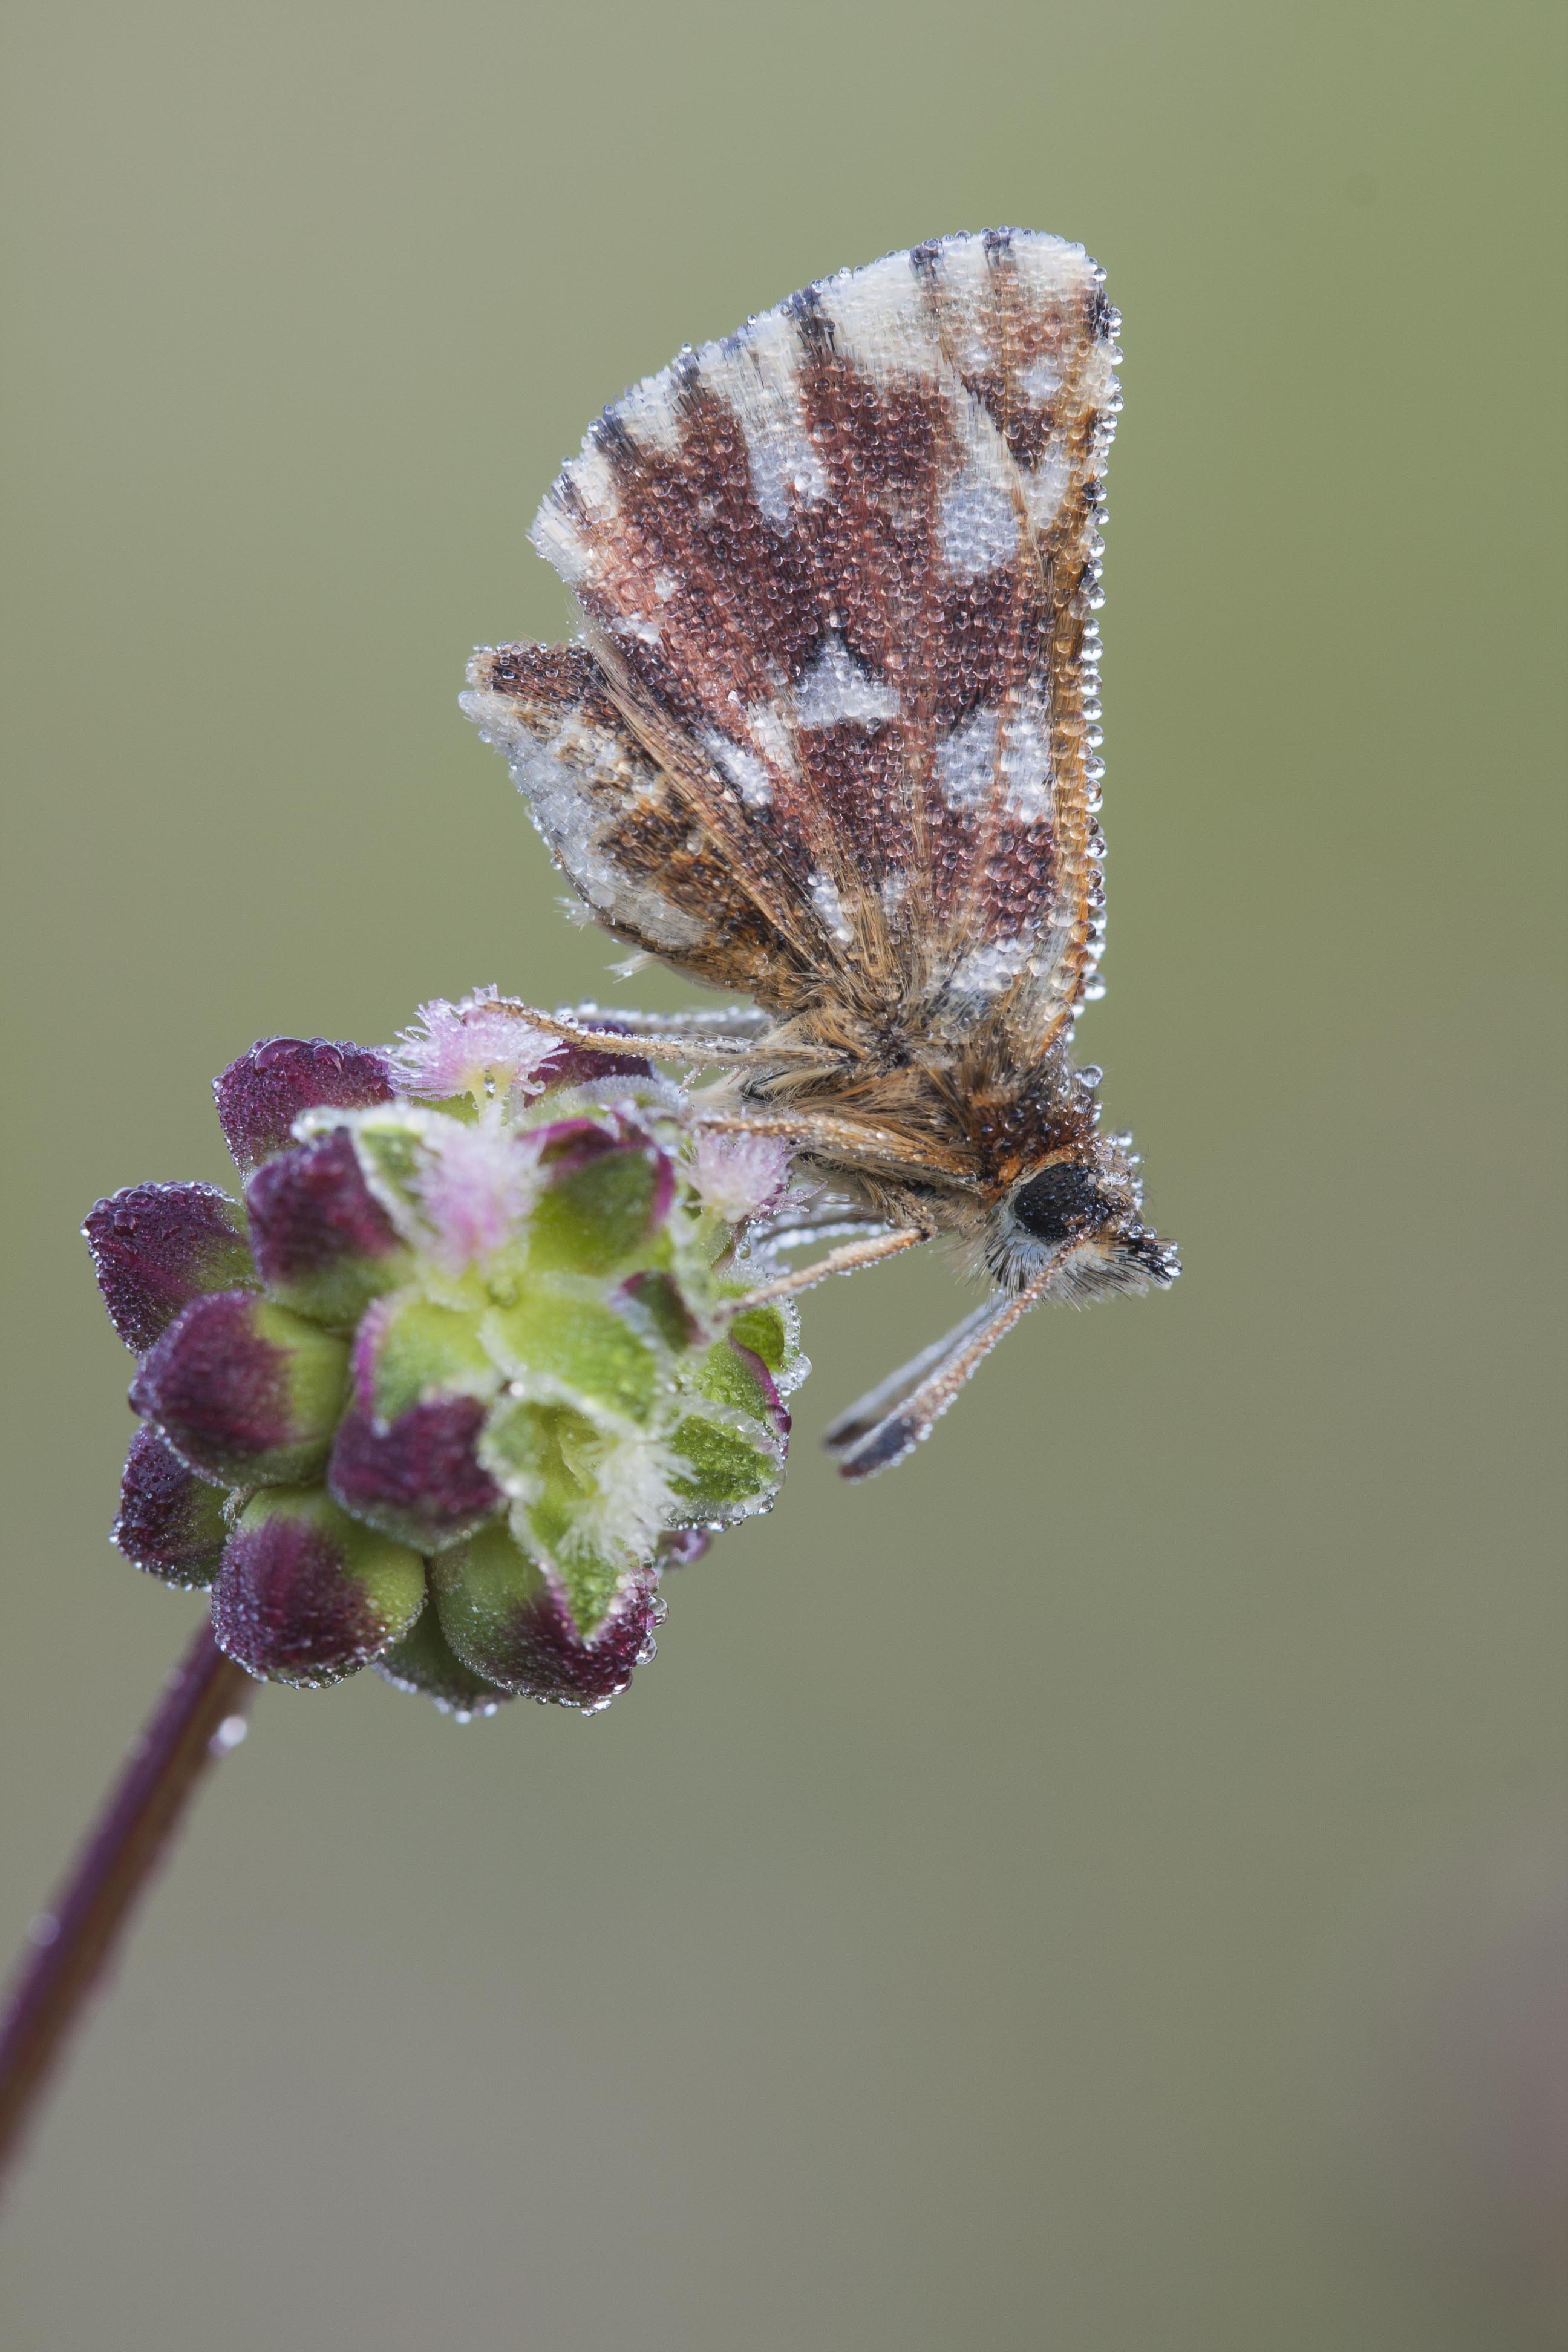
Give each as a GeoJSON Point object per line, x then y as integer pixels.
{"type": "Point", "coordinates": [1091, 1075]}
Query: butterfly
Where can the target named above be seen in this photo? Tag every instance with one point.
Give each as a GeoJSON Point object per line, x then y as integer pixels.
{"type": "Point", "coordinates": [829, 737]}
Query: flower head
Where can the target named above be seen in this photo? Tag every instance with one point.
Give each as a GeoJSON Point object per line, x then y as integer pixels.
{"type": "Point", "coordinates": [462, 1375]}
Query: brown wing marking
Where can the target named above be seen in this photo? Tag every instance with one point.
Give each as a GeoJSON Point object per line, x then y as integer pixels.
{"type": "Point", "coordinates": [835, 571]}
{"type": "Point", "coordinates": [1013, 751]}
{"type": "Point", "coordinates": [616, 825]}
{"type": "Point", "coordinates": [709, 625]}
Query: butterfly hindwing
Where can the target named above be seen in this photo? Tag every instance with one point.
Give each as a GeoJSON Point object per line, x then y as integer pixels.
{"type": "Point", "coordinates": [614, 820]}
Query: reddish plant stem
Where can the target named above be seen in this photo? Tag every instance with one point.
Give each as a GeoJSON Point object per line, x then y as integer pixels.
{"type": "Point", "coordinates": [72, 1943]}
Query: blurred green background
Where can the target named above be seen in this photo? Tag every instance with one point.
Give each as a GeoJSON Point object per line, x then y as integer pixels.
{"type": "Point", "coordinates": [1094, 1888]}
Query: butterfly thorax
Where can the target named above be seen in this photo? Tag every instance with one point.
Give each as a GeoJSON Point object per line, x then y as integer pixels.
{"type": "Point", "coordinates": [1010, 1163]}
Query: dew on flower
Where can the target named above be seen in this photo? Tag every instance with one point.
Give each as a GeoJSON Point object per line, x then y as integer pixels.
{"type": "Point", "coordinates": [740, 1177]}
{"type": "Point", "coordinates": [453, 1385]}
{"type": "Point", "coordinates": [476, 1186]}
{"type": "Point", "coordinates": [482, 1047]}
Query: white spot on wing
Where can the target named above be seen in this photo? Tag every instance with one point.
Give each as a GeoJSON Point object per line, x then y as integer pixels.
{"type": "Point", "coordinates": [566, 779]}
{"type": "Point", "coordinates": [1047, 486]}
{"type": "Point", "coordinates": [557, 533]}
{"type": "Point", "coordinates": [829, 907]}
{"type": "Point", "coordinates": [880, 318]}
{"type": "Point", "coordinates": [832, 691]}
{"type": "Point", "coordinates": [963, 274]}
{"type": "Point", "coordinates": [769, 732]}
{"type": "Point", "coordinates": [1025, 758]}
{"type": "Point", "coordinates": [966, 761]}
{"type": "Point", "coordinates": [1051, 269]}
{"type": "Point", "coordinates": [989, 970]}
{"type": "Point", "coordinates": [1039, 382]}
{"type": "Point", "coordinates": [979, 526]}
{"type": "Point", "coordinates": [561, 543]}
{"type": "Point", "coordinates": [742, 768]}
{"type": "Point", "coordinates": [758, 373]}
{"type": "Point", "coordinates": [651, 414]}
{"type": "Point", "coordinates": [1017, 749]}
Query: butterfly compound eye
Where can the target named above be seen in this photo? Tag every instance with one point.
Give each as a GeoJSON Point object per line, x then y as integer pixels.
{"type": "Point", "coordinates": [1059, 1201]}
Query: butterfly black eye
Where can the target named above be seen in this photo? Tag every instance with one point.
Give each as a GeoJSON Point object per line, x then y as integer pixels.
{"type": "Point", "coordinates": [1059, 1201]}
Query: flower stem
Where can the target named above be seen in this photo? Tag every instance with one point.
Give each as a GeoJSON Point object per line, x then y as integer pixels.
{"type": "Point", "coordinates": [200, 1716]}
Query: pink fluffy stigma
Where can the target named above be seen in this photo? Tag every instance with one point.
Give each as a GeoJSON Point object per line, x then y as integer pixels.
{"type": "Point", "coordinates": [477, 1190]}
{"type": "Point", "coordinates": [481, 1047]}
{"type": "Point", "coordinates": [741, 1177]}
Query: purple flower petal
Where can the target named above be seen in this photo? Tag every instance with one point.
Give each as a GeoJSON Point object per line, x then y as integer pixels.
{"type": "Point", "coordinates": [261, 1095]}
{"type": "Point", "coordinates": [773, 1404]}
{"type": "Point", "coordinates": [509, 1618]}
{"type": "Point", "coordinates": [605, 1193]}
{"type": "Point", "coordinates": [304, 1596]}
{"type": "Point", "coordinates": [660, 1295]}
{"type": "Point", "coordinates": [246, 1392]}
{"type": "Point", "coordinates": [579, 1065]}
{"type": "Point", "coordinates": [542, 1656]}
{"type": "Point", "coordinates": [420, 1479]}
{"type": "Point", "coordinates": [157, 1246]}
{"type": "Point", "coordinates": [171, 1522]}
{"type": "Point", "coordinates": [409, 1349]}
{"type": "Point", "coordinates": [323, 1242]}
{"type": "Point", "coordinates": [683, 1546]}
{"type": "Point", "coordinates": [571, 1143]}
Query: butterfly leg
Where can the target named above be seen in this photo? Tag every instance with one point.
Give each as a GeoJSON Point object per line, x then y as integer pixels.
{"type": "Point", "coordinates": [692, 1046]}
{"type": "Point", "coordinates": [736, 1022]}
{"type": "Point", "coordinates": [853, 1142]}
{"type": "Point", "coordinates": [831, 1221]}
{"type": "Point", "coordinates": [890, 1422]}
{"type": "Point", "coordinates": [848, 1259]}
{"type": "Point", "coordinates": [661, 1046]}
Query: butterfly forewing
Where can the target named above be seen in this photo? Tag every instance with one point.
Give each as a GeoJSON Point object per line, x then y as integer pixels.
{"type": "Point", "coordinates": [835, 574]}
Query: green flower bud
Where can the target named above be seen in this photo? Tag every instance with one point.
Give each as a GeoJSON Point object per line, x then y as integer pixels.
{"type": "Point", "coordinates": [246, 1392]}
{"type": "Point", "coordinates": [425, 1660]}
{"type": "Point", "coordinates": [512, 1619]}
{"type": "Point", "coordinates": [323, 1243]}
{"type": "Point", "coordinates": [306, 1595]}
